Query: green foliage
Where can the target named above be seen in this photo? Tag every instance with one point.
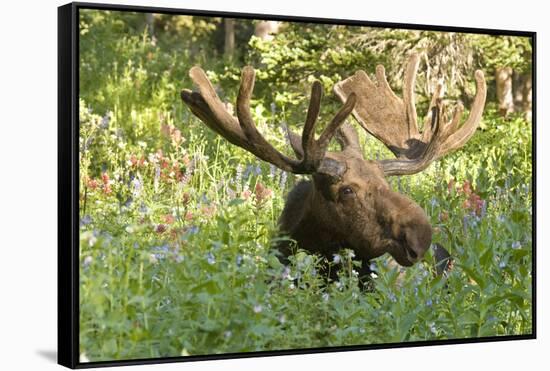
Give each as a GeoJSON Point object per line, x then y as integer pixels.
{"type": "Point", "coordinates": [500, 51]}
{"type": "Point", "coordinates": [177, 225]}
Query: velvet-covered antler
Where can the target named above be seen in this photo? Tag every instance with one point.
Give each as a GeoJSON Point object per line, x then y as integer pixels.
{"type": "Point", "coordinates": [242, 131]}
{"type": "Point", "coordinates": [393, 120]}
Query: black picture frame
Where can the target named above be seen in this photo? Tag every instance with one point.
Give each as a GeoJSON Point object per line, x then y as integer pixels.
{"type": "Point", "coordinates": [68, 183]}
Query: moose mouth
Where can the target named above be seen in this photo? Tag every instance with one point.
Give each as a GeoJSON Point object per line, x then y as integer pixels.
{"type": "Point", "coordinates": [403, 253]}
{"type": "Point", "coordinates": [411, 256]}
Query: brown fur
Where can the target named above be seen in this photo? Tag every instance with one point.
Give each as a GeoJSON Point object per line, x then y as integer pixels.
{"type": "Point", "coordinates": [372, 220]}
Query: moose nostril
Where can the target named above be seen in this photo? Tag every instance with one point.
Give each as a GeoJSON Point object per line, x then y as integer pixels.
{"type": "Point", "coordinates": [412, 253]}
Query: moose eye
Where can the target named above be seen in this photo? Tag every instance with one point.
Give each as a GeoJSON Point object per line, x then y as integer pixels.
{"type": "Point", "coordinates": [346, 191]}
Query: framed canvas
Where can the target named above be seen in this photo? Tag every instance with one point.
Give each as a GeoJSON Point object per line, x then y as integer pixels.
{"type": "Point", "coordinates": [243, 185]}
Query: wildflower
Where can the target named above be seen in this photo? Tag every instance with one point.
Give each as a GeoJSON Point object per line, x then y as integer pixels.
{"type": "Point", "coordinates": [136, 187]}
{"type": "Point", "coordinates": [87, 261]}
{"type": "Point", "coordinates": [282, 180]}
{"type": "Point", "coordinates": [239, 260]}
{"type": "Point", "coordinates": [392, 297]}
{"type": "Point", "coordinates": [227, 334]}
{"type": "Point", "coordinates": [143, 209]}
{"type": "Point", "coordinates": [465, 223]}
{"type": "Point", "coordinates": [210, 258]}
{"type": "Point", "coordinates": [336, 258]}
{"type": "Point", "coordinates": [208, 210]}
{"type": "Point", "coordinates": [193, 229]}
{"type": "Point", "coordinates": [92, 240]}
{"type": "Point", "coordinates": [325, 296]}
{"type": "Point", "coordinates": [105, 178]}
{"type": "Point", "coordinates": [160, 228]}
{"type": "Point", "coordinates": [429, 302]}
{"type": "Point", "coordinates": [351, 254]}
{"type": "Point", "coordinates": [176, 136]}
{"type": "Point", "coordinates": [157, 172]}
{"type": "Point", "coordinates": [467, 188]}
{"type": "Point", "coordinates": [502, 265]}
{"type": "Point", "coordinates": [282, 319]}
{"type": "Point", "coordinates": [483, 208]}
{"type": "Point", "coordinates": [238, 174]}
{"type": "Point", "coordinates": [105, 121]}
{"type": "Point", "coordinates": [516, 245]}
{"type": "Point", "coordinates": [92, 184]}
{"type": "Point", "coordinates": [262, 193]}
{"type": "Point", "coordinates": [246, 194]}
{"type": "Point", "coordinates": [257, 308]}
{"type": "Point", "coordinates": [286, 274]}
{"type": "Point", "coordinates": [153, 259]}
{"type": "Point", "coordinates": [272, 171]}
{"type": "Point", "coordinates": [169, 219]}
{"type": "Point", "coordinates": [86, 219]}
{"type": "Point", "coordinates": [433, 329]}
{"type": "Point", "coordinates": [247, 171]}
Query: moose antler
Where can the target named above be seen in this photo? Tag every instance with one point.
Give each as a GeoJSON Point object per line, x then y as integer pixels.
{"type": "Point", "coordinates": [393, 120]}
{"type": "Point", "coordinates": [242, 131]}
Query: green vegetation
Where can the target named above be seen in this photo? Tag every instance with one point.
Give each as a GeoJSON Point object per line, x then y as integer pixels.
{"type": "Point", "coordinates": [177, 225]}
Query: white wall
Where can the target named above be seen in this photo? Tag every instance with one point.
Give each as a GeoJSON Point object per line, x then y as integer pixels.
{"type": "Point", "coordinates": [28, 182]}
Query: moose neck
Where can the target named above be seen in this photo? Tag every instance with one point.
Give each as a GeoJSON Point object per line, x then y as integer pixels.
{"type": "Point", "coordinates": [307, 223]}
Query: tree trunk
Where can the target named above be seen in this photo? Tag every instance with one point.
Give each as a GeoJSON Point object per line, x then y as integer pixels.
{"type": "Point", "coordinates": [503, 78]}
{"type": "Point", "coordinates": [518, 79]}
{"type": "Point", "coordinates": [150, 21]}
{"type": "Point", "coordinates": [229, 45]}
{"type": "Point", "coordinates": [528, 96]}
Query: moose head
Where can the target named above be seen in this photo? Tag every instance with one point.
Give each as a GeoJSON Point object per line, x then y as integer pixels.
{"type": "Point", "coordinates": [348, 203]}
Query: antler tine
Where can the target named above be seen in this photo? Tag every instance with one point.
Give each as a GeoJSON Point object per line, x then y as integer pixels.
{"type": "Point", "coordinates": [243, 132]}
{"type": "Point", "coordinates": [348, 139]}
{"type": "Point", "coordinates": [208, 107]}
{"type": "Point", "coordinates": [336, 122]}
{"type": "Point", "coordinates": [261, 147]}
{"type": "Point", "coordinates": [436, 97]}
{"type": "Point", "coordinates": [465, 132]}
{"type": "Point", "coordinates": [308, 133]}
{"type": "Point", "coordinates": [408, 92]}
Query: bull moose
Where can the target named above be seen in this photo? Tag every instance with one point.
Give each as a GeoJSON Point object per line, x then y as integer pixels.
{"type": "Point", "coordinates": [348, 202]}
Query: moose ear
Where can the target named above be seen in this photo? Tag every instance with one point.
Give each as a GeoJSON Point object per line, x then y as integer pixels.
{"type": "Point", "coordinates": [331, 168]}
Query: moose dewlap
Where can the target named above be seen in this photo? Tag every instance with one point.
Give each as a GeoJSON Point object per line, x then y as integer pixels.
{"type": "Point", "coordinates": [348, 202]}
